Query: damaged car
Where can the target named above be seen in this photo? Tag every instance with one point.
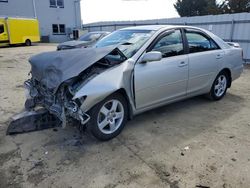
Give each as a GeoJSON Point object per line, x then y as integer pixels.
{"type": "Point", "coordinates": [131, 71]}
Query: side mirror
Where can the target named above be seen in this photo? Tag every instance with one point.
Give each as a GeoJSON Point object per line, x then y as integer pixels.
{"type": "Point", "coordinates": [151, 56]}
{"type": "Point", "coordinates": [234, 44]}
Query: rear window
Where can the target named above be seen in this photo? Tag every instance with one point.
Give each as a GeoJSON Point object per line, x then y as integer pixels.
{"type": "Point", "coordinates": [1, 28]}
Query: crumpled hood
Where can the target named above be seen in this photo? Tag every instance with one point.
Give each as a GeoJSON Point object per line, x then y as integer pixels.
{"type": "Point", "coordinates": [74, 43]}
{"type": "Point", "coordinates": [53, 68]}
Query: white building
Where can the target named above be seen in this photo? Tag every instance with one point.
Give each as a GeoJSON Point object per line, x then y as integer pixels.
{"type": "Point", "coordinates": [57, 18]}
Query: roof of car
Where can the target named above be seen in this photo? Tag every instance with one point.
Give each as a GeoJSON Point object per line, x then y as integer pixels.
{"type": "Point", "coordinates": [150, 27]}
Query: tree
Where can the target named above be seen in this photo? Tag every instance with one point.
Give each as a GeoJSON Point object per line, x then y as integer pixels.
{"type": "Point", "coordinates": [213, 7]}
{"type": "Point", "coordinates": [196, 7]}
{"type": "Point", "coordinates": [235, 6]}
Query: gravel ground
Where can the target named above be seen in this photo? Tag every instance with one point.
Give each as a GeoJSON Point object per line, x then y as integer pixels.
{"type": "Point", "coordinates": [193, 143]}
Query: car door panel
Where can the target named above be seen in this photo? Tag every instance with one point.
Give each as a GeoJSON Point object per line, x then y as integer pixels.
{"type": "Point", "coordinates": [161, 80]}
{"type": "Point", "coordinates": [204, 58]}
{"type": "Point", "coordinates": [202, 68]}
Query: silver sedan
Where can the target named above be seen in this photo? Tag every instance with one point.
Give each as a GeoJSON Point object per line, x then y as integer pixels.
{"type": "Point", "coordinates": [129, 72]}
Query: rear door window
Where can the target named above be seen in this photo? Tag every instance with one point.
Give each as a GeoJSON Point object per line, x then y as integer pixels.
{"type": "Point", "coordinates": [1, 28]}
{"type": "Point", "coordinates": [198, 42]}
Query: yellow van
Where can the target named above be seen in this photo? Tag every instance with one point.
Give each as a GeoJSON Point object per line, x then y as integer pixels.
{"type": "Point", "coordinates": [18, 31]}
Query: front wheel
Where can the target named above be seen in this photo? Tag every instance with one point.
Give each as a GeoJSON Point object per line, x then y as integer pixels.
{"type": "Point", "coordinates": [220, 86]}
{"type": "Point", "coordinates": [108, 117]}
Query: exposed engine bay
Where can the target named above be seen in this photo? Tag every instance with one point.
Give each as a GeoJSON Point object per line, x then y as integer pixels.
{"type": "Point", "coordinates": [58, 101]}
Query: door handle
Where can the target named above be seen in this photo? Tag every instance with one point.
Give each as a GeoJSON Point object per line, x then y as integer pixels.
{"type": "Point", "coordinates": [182, 64]}
{"type": "Point", "coordinates": [219, 56]}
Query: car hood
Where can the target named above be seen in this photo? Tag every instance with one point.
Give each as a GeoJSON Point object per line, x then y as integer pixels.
{"type": "Point", "coordinates": [53, 68]}
{"type": "Point", "coordinates": [74, 43]}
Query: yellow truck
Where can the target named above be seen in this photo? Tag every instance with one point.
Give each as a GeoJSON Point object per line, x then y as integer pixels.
{"type": "Point", "coordinates": [18, 31]}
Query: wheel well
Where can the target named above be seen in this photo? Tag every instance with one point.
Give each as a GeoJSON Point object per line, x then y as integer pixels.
{"type": "Point", "coordinates": [124, 94]}
{"type": "Point", "coordinates": [228, 72]}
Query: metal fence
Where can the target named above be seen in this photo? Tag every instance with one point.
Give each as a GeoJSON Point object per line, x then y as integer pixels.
{"type": "Point", "coordinates": [230, 27]}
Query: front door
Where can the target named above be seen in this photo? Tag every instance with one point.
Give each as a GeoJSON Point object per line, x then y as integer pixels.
{"type": "Point", "coordinates": [160, 81]}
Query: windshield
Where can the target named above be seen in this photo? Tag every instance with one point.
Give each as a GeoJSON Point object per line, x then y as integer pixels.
{"type": "Point", "coordinates": [130, 40]}
{"type": "Point", "coordinates": [90, 37]}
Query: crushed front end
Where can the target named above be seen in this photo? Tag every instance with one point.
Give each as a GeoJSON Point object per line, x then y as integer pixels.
{"type": "Point", "coordinates": [56, 77]}
{"type": "Point", "coordinates": [58, 102]}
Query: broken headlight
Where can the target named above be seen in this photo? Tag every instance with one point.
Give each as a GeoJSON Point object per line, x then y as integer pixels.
{"type": "Point", "coordinates": [30, 91]}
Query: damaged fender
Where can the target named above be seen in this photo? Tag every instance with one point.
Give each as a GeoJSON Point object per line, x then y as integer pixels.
{"type": "Point", "coordinates": [110, 81]}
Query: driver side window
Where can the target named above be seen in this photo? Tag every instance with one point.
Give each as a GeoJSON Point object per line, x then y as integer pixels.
{"type": "Point", "coordinates": [1, 28]}
{"type": "Point", "coordinates": [170, 45]}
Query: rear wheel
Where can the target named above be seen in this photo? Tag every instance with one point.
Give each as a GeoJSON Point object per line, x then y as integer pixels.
{"type": "Point", "coordinates": [220, 86]}
{"type": "Point", "coordinates": [108, 117]}
{"type": "Point", "coordinates": [28, 42]}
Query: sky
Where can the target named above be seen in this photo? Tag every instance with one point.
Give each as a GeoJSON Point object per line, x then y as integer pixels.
{"type": "Point", "coordinates": [121, 10]}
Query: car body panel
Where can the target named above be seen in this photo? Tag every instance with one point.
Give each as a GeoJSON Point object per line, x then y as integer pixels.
{"type": "Point", "coordinates": [155, 81]}
{"type": "Point", "coordinates": [53, 68]}
{"type": "Point", "coordinates": [202, 72]}
{"type": "Point", "coordinates": [104, 84]}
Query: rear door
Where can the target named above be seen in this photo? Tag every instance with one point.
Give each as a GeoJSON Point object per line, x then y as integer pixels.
{"type": "Point", "coordinates": [204, 59]}
{"type": "Point", "coordinates": [3, 33]}
{"type": "Point", "coordinates": [164, 80]}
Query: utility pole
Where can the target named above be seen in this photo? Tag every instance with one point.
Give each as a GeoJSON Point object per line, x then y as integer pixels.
{"type": "Point", "coordinates": [77, 5]}
{"type": "Point", "coordinates": [34, 8]}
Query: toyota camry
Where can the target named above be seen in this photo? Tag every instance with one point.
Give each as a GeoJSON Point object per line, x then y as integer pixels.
{"type": "Point", "coordinates": [130, 71]}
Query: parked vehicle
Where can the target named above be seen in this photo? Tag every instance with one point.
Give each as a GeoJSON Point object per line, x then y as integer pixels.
{"type": "Point", "coordinates": [129, 72]}
{"type": "Point", "coordinates": [19, 31]}
{"type": "Point", "coordinates": [86, 40]}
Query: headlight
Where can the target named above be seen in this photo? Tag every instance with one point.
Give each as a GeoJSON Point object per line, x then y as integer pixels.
{"type": "Point", "coordinates": [30, 91]}
{"type": "Point", "coordinates": [27, 87]}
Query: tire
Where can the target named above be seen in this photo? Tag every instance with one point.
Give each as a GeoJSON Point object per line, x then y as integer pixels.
{"type": "Point", "coordinates": [219, 87]}
{"type": "Point", "coordinates": [28, 42]}
{"type": "Point", "coordinates": [108, 117]}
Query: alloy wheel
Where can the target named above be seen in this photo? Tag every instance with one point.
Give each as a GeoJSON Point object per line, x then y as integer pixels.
{"type": "Point", "coordinates": [220, 86]}
{"type": "Point", "coordinates": [110, 116]}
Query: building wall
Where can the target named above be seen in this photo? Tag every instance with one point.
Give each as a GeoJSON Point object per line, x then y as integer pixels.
{"type": "Point", "coordinates": [70, 15]}
{"type": "Point", "coordinates": [230, 27]}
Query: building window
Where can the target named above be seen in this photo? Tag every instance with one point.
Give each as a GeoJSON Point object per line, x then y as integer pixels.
{"type": "Point", "coordinates": [58, 29]}
{"type": "Point", "coordinates": [60, 3]}
{"type": "Point", "coordinates": [62, 28]}
{"type": "Point", "coordinates": [5, 1]}
{"type": "Point", "coordinates": [56, 3]}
